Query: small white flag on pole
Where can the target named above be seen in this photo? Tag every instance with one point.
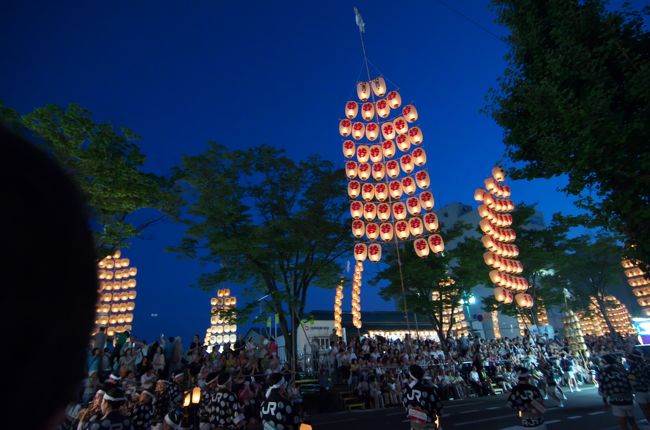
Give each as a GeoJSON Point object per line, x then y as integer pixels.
{"type": "Point", "coordinates": [359, 20]}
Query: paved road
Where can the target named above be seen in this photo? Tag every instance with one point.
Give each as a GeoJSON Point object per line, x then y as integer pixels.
{"type": "Point", "coordinates": [583, 411]}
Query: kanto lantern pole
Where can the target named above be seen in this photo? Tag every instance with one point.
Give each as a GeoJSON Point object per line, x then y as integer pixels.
{"type": "Point", "coordinates": [362, 29]}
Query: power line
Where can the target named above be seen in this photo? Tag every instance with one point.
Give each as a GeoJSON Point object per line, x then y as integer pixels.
{"type": "Point", "coordinates": [471, 20]}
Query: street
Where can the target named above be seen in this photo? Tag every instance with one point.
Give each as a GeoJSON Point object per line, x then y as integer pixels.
{"type": "Point", "coordinates": [583, 410]}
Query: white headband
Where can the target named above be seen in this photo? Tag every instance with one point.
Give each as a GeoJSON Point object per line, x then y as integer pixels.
{"type": "Point", "coordinates": [280, 383]}
{"type": "Point", "coordinates": [212, 380]}
{"type": "Point", "coordinates": [225, 383]}
{"type": "Point", "coordinates": [113, 399]}
{"type": "Point", "coordinates": [149, 393]}
{"type": "Point", "coordinates": [172, 424]}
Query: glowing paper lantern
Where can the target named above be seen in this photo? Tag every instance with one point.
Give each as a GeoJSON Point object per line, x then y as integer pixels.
{"type": "Point", "coordinates": [358, 130]}
{"type": "Point", "coordinates": [426, 200]}
{"type": "Point", "coordinates": [401, 126]}
{"type": "Point", "coordinates": [431, 222]}
{"type": "Point", "coordinates": [351, 169]}
{"type": "Point", "coordinates": [345, 127]}
{"type": "Point", "coordinates": [363, 91]}
{"type": "Point", "coordinates": [386, 231]}
{"type": "Point", "coordinates": [436, 243]}
{"type": "Point", "coordinates": [379, 86]}
{"type": "Point", "coordinates": [415, 226]}
{"type": "Point", "coordinates": [498, 174]}
{"type": "Point", "coordinates": [363, 153]}
{"type": "Point", "coordinates": [351, 109]}
{"type": "Point", "coordinates": [410, 113]}
{"type": "Point", "coordinates": [406, 162]}
{"type": "Point", "coordinates": [372, 131]}
{"type": "Point", "coordinates": [356, 210]}
{"type": "Point", "coordinates": [403, 142]}
{"type": "Point", "coordinates": [395, 189]}
{"type": "Point", "coordinates": [378, 171]}
{"type": "Point", "coordinates": [360, 252]}
{"type": "Point", "coordinates": [367, 192]}
{"type": "Point", "coordinates": [392, 169]}
{"type": "Point", "coordinates": [381, 192]}
{"type": "Point", "coordinates": [388, 148]}
{"type": "Point", "coordinates": [383, 210]}
{"type": "Point", "coordinates": [402, 230]}
{"type": "Point", "coordinates": [363, 171]}
{"type": "Point", "coordinates": [419, 156]}
{"type": "Point", "coordinates": [399, 211]}
{"type": "Point", "coordinates": [408, 185]}
{"type": "Point", "coordinates": [367, 111]}
{"type": "Point", "coordinates": [388, 130]}
{"type": "Point", "coordinates": [394, 99]}
{"type": "Point", "coordinates": [372, 231]}
{"type": "Point", "coordinates": [416, 135]}
{"type": "Point", "coordinates": [376, 154]}
{"type": "Point", "coordinates": [374, 252]}
{"type": "Point", "coordinates": [413, 205]}
{"type": "Point", "coordinates": [422, 179]}
{"type": "Point", "coordinates": [421, 247]}
{"type": "Point", "coordinates": [354, 188]}
{"type": "Point", "coordinates": [369, 211]}
{"type": "Point", "coordinates": [383, 110]}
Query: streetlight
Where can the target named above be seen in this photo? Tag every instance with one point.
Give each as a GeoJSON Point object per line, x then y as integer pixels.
{"type": "Point", "coordinates": [467, 300]}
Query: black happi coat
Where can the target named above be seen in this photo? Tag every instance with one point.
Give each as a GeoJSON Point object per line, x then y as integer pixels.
{"type": "Point", "coordinates": [279, 411]}
{"type": "Point", "coordinates": [141, 416]}
{"type": "Point", "coordinates": [223, 409]}
{"type": "Point", "coordinates": [639, 377]}
{"type": "Point", "coordinates": [114, 420]}
{"type": "Point", "coordinates": [614, 385]}
{"type": "Point", "coordinates": [521, 399]}
{"type": "Point", "coordinates": [418, 395]}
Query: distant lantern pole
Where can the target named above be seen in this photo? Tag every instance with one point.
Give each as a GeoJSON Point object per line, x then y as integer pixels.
{"type": "Point", "coordinates": [116, 294]}
{"type": "Point", "coordinates": [574, 334]}
{"type": "Point", "coordinates": [222, 330]}
{"type": "Point", "coordinates": [338, 301]}
{"type": "Point", "coordinates": [639, 280]}
{"type": "Point", "coordinates": [593, 321]}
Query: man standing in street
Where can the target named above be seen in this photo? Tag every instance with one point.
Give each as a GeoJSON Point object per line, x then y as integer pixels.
{"type": "Point", "coordinates": [421, 402]}
{"type": "Point", "coordinates": [527, 400]}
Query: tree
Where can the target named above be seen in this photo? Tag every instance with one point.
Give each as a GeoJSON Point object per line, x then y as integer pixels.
{"type": "Point", "coordinates": [108, 167]}
{"type": "Point", "coordinates": [447, 278]}
{"type": "Point", "coordinates": [266, 222]}
{"type": "Point", "coordinates": [575, 101]}
{"type": "Point", "coordinates": [590, 268]}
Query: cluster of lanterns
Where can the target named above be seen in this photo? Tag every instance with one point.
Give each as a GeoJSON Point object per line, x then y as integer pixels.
{"type": "Point", "coordinates": [574, 334]}
{"type": "Point", "coordinates": [221, 331]}
{"type": "Point", "coordinates": [640, 283]}
{"type": "Point", "coordinates": [338, 313]}
{"type": "Point", "coordinates": [494, 211]}
{"type": "Point", "coordinates": [450, 313]}
{"type": "Point", "coordinates": [356, 294]}
{"type": "Point", "coordinates": [495, 324]}
{"type": "Point", "coordinates": [116, 294]}
{"type": "Point", "coordinates": [593, 322]}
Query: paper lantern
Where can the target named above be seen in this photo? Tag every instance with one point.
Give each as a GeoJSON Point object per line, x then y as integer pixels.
{"type": "Point", "coordinates": [363, 170]}
{"type": "Point", "coordinates": [360, 252]}
{"type": "Point", "coordinates": [392, 169]}
{"type": "Point", "coordinates": [383, 110]}
{"type": "Point", "coordinates": [419, 156]}
{"type": "Point", "coordinates": [415, 226]}
{"type": "Point", "coordinates": [422, 178]}
{"type": "Point", "coordinates": [410, 113]}
{"type": "Point", "coordinates": [383, 211]}
{"type": "Point", "coordinates": [406, 162]}
{"type": "Point", "coordinates": [354, 188]}
{"type": "Point", "coordinates": [421, 247]}
{"type": "Point", "coordinates": [213, 301]}
{"type": "Point", "coordinates": [381, 192]}
{"type": "Point", "coordinates": [416, 136]}
{"type": "Point", "coordinates": [436, 243]}
{"type": "Point", "coordinates": [378, 171]}
{"type": "Point", "coordinates": [363, 153]}
{"type": "Point", "coordinates": [345, 127]}
{"type": "Point", "coordinates": [386, 231]}
{"type": "Point", "coordinates": [401, 126]}
{"type": "Point", "coordinates": [522, 300]}
{"type": "Point", "coordinates": [394, 99]}
{"type": "Point", "coordinates": [351, 109]}
{"type": "Point", "coordinates": [367, 192]}
{"type": "Point", "coordinates": [379, 86]}
{"type": "Point", "coordinates": [395, 189]}
{"type": "Point", "coordinates": [399, 210]}
{"type": "Point", "coordinates": [363, 91]}
{"type": "Point", "coordinates": [408, 184]}
{"type": "Point", "coordinates": [351, 169]}
{"type": "Point", "coordinates": [358, 130]}
{"type": "Point", "coordinates": [413, 205]}
{"type": "Point", "coordinates": [498, 174]}
{"type": "Point", "coordinates": [500, 294]}
{"type": "Point", "coordinates": [367, 111]}
{"type": "Point", "coordinates": [372, 231]}
{"type": "Point", "coordinates": [374, 252]}
{"type": "Point", "coordinates": [403, 142]}
{"type": "Point", "coordinates": [376, 154]}
{"type": "Point", "coordinates": [426, 200]}
{"type": "Point", "coordinates": [509, 298]}
{"type": "Point", "coordinates": [431, 222]}
{"type": "Point", "coordinates": [388, 130]}
{"type": "Point", "coordinates": [388, 148]}
{"type": "Point", "coordinates": [402, 230]}
{"type": "Point", "coordinates": [370, 211]}
{"type": "Point", "coordinates": [356, 209]}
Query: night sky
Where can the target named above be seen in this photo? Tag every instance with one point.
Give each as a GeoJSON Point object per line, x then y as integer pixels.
{"type": "Point", "coordinates": [259, 72]}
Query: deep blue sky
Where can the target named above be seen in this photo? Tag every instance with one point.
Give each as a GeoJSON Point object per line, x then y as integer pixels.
{"type": "Point", "coordinates": [246, 73]}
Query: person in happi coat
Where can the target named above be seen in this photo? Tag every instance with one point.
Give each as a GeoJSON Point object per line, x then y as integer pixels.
{"type": "Point", "coordinates": [224, 409]}
{"type": "Point", "coordinates": [528, 401]}
{"type": "Point", "coordinates": [142, 411]}
{"type": "Point", "coordinates": [421, 401]}
{"type": "Point", "coordinates": [277, 411]}
{"type": "Point", "coordinates": [615, 388]}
